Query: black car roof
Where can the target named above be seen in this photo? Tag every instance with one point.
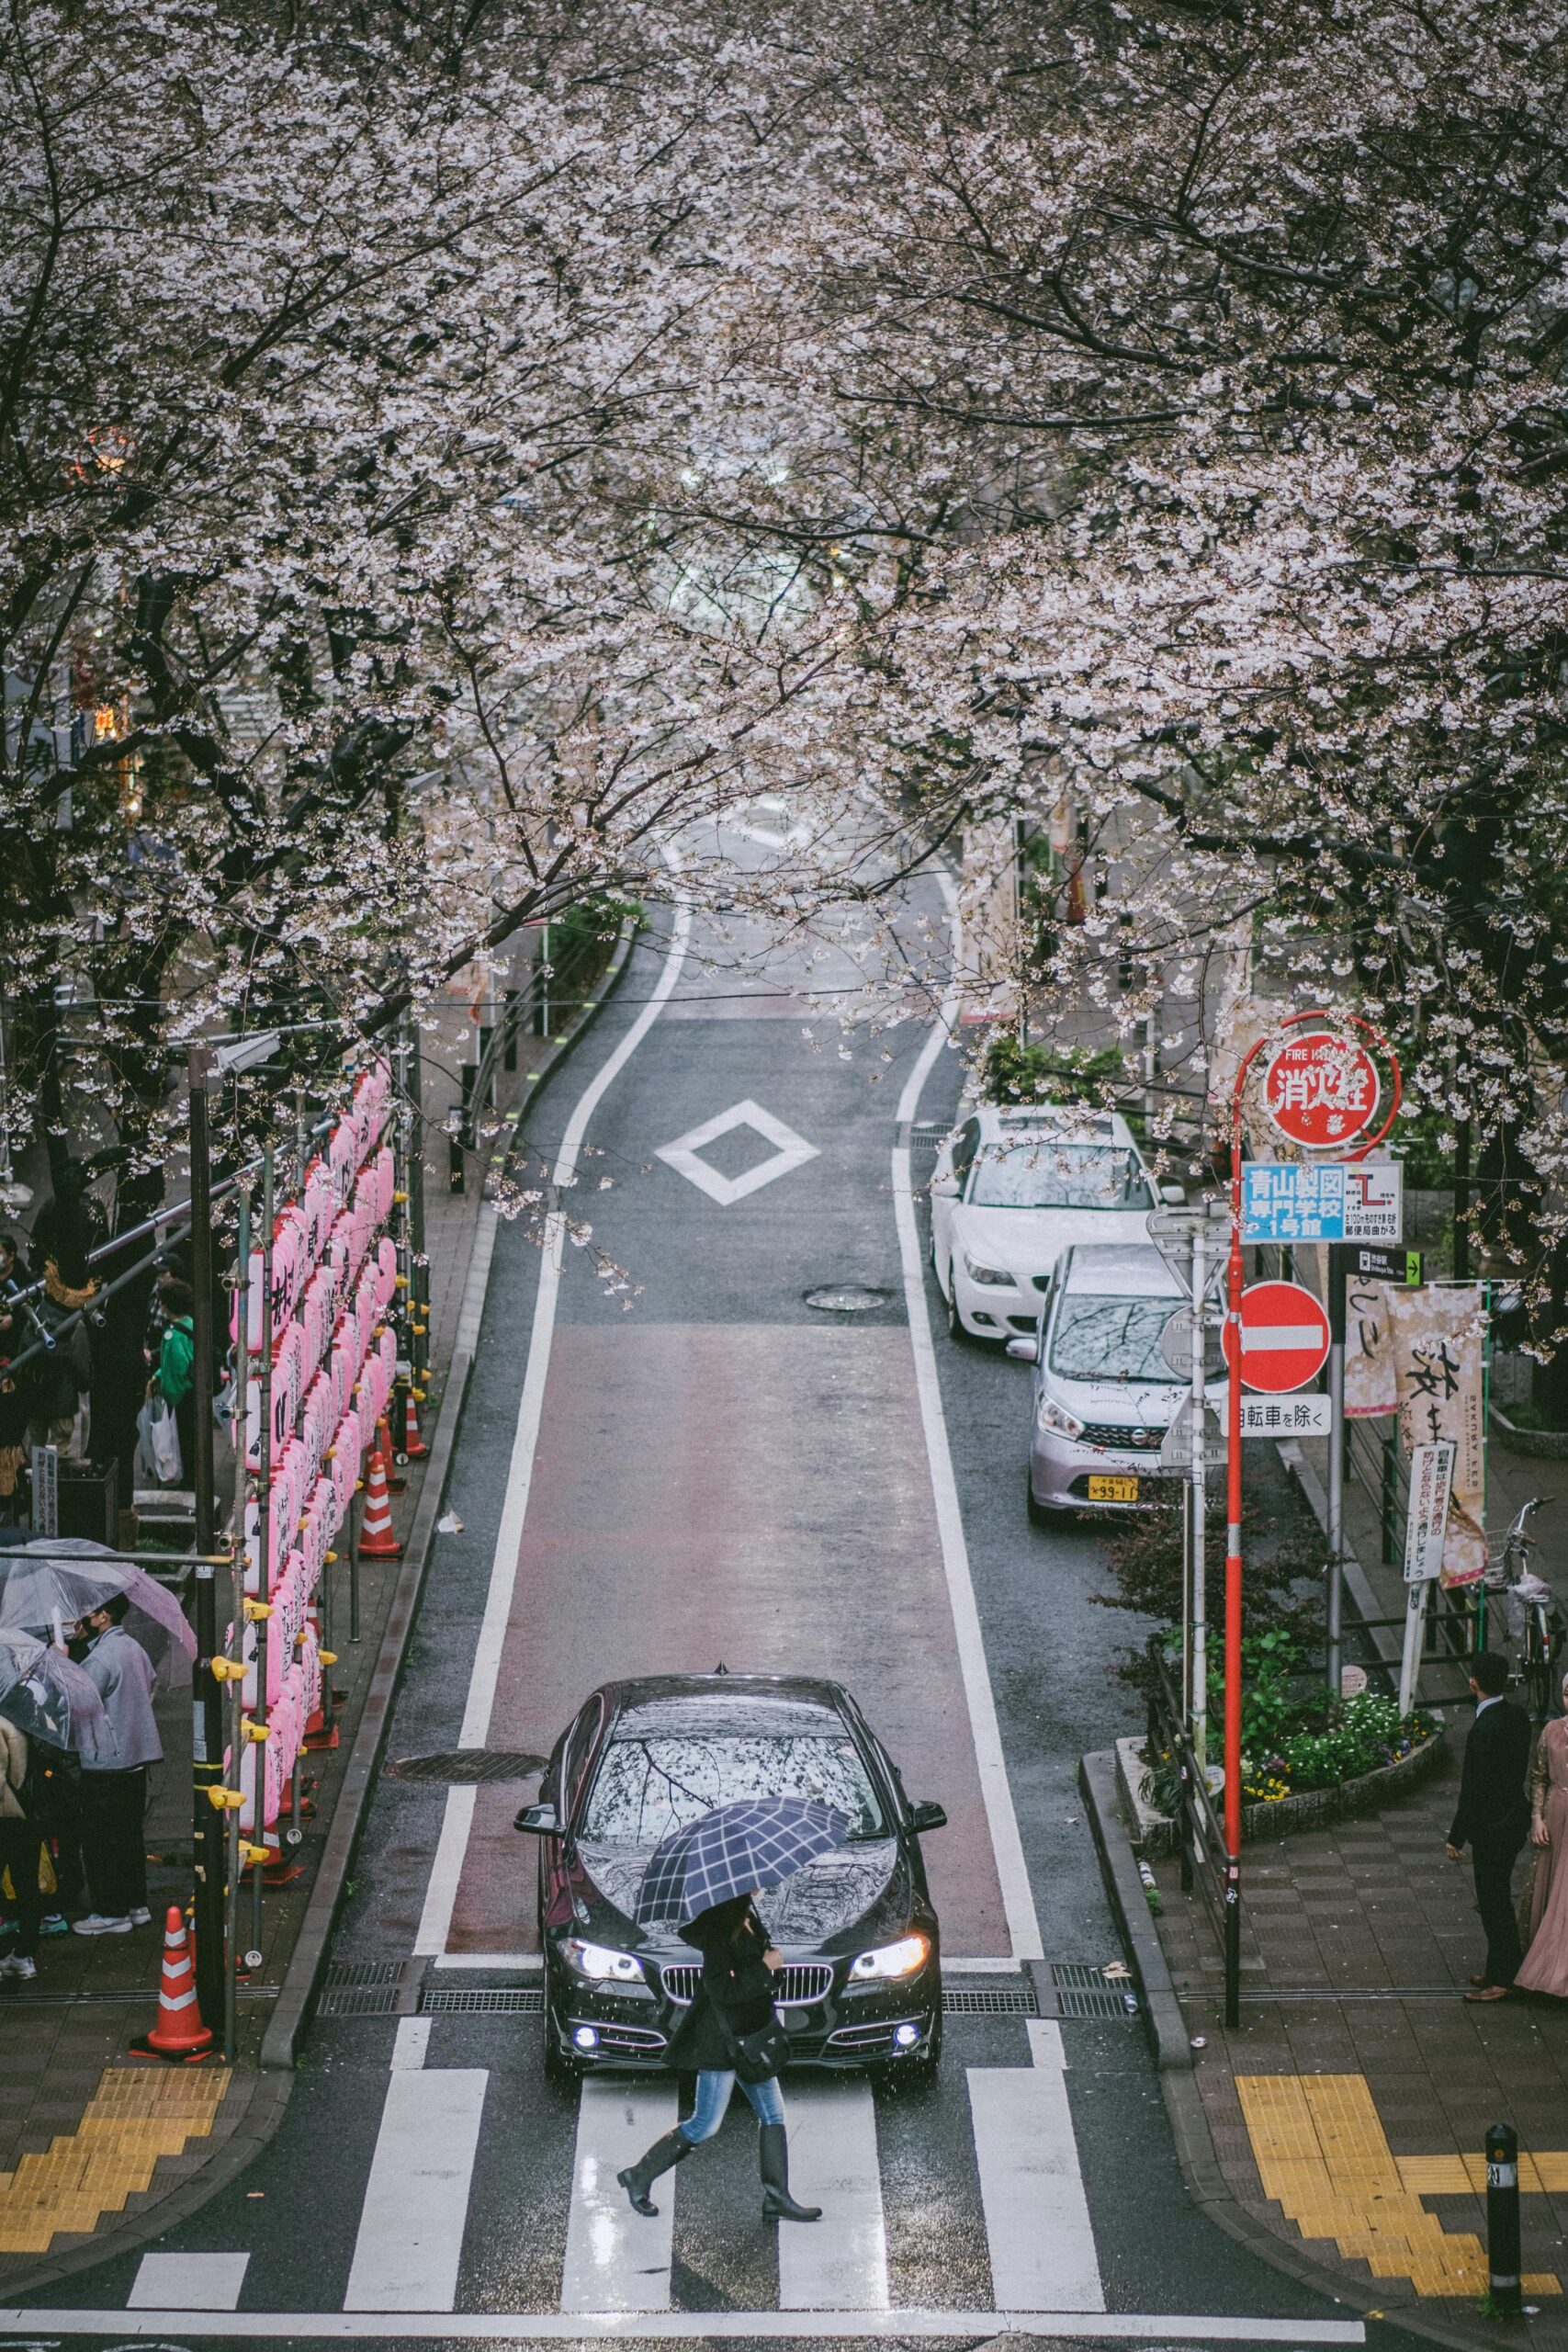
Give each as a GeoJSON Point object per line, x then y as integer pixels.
{"type": "Point", "coordinates": [759, 1702]}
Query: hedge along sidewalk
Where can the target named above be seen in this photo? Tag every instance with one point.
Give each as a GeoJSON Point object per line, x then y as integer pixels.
{"type": "Point", "coordinates": [46, 2094]}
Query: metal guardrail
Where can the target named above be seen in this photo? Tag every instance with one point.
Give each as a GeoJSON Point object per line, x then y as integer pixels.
{"type": "Point", "coordinates": [531, 1008]}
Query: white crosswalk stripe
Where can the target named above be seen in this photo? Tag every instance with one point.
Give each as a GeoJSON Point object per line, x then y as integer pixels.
{"type": "Point", "coordinates": [839, 2264]}
{"type": "Point", "coordinates": [409, 2244]}
{"type": "Point", "coordinates": [1037, 2223]}
{"type": "Point", "coordinates": [618, 2260]}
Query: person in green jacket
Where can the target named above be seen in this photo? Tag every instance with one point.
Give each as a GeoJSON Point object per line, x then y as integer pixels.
{"type": "Point", "coordinates": [176, 1363]}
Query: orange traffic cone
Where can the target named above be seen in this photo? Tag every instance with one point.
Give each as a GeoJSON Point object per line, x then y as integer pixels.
{"type": "Point", "coordinates": [415, 1446]}
{"type": "Point", "coordinates": [396, 1482]}
{"type": "Point", "coordinates": [180, 2034]}
{"type": "Point", "coordinates": [376, 1540]}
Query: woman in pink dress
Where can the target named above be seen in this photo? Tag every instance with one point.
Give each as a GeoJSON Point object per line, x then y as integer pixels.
{"type": "Point", "coordinates": [1546, 1963]}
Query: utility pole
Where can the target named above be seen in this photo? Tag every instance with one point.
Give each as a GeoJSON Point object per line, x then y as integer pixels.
{"type": "Point", "coordinates": [1336, 1605]}
{"type": "Point", "coordinates": [208, 1822]}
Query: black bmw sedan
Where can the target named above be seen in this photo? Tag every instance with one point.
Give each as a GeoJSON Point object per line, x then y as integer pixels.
{"type": "Point", "coordinates": [862, 1982]}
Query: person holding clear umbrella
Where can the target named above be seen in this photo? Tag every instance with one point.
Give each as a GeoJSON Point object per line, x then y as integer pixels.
{"type": "Point", "coordinates": [47, 1707]}
{"type": "Point", "coordinates": [114, 1796]}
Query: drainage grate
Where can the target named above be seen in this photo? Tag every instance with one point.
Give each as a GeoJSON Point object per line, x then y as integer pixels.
{"type": "Point", "coordinates": [1082, 1991]}
{"type": "Point", "coordinates": [363, 1971]}
{"type": "Point", "coordinates": [466, 1766]}
{"type": "Point", "coordinates": [987, 2001]}
{"type": "Point", "coordinates": [483, 2000]}
{"type": "Point", "coordinates": [360, 2001]}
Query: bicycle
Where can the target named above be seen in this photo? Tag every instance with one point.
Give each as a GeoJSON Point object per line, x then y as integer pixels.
{"type": "Point", "coordinates": [1536, 1631]}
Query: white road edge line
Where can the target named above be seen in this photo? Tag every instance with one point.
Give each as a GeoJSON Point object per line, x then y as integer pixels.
{"type": "Point", "coordinates": [1017, 1899]}
{"type": "Point", "coordinates": [440, 1895]}
{"type": "Point", "coordinates": [448, 2327]}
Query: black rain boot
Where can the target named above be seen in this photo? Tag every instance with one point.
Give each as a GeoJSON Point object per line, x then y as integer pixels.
{"type": "Point", "coordinates": [778, 2205]}
{"type": "Point", "coordinates": [638, 2178]}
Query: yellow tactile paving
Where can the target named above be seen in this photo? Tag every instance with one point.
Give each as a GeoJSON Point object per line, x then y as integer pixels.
{"type": "Point", "coordinates": [1323, 2157]}
{"type": "Point", "coordinates": [135, 2115]}
{"type": "Point", "coordinates": [1463, 2175]}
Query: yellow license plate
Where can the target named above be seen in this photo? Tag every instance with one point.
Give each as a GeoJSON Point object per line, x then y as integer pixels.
{"type": "Point", "coordinates": [1113, 1490]}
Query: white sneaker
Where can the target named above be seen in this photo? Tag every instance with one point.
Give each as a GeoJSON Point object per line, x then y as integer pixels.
{"type": "Point", "coordinates": [141, 1917]}
{"type": "Point", "coordinates": [17, 1964]}
{"type": "Point", "coordinates": [95, 1924]}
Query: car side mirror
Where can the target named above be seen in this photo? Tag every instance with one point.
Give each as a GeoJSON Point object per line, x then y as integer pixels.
{"type": "Point", "coordinates": [947, 1186]}
{"type": "Point", "coordinates": [1174, 1195]}
{"type": "Point", "coordinates": [927, 1817]}
{"type": "Point", "coordinates": [1024, 1350]}
{"type": "Point", "coordinates": [538, 1821]}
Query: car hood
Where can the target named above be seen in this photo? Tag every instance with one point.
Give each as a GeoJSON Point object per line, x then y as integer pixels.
{"type": "Point", "coordinates": [842, 1899]}
{"type": "Point", "coordinates": [1026, 1242]}
{"type": "Point", "coordinates": [1140, 1404]}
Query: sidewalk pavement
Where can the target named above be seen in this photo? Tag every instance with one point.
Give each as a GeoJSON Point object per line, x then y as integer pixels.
{"type": "Point", "coordinates": [1347, 2111]}
{"type": "Point", "coordinates": [99, 2151]}
{"type": "Point", "coordinates": [1340, 2127]}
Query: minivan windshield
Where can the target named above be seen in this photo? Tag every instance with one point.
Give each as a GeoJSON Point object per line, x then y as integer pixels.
{"type": "Point", "coordinates": [1039, 1173]}
{"type": "Point", "coordinates": [1111, 1339]}
{"type": "Point", "coordinates": [649, 1785]}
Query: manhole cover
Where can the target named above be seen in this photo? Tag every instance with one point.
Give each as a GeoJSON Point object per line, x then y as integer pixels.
{"type": "Point", "coordinates": [847, 1298]}
{"type": "Point", "coordinates": [467, 1765]}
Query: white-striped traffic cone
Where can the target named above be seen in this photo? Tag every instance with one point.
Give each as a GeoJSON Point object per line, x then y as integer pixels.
{"type": "Point", "coordinates": [179, 2032]}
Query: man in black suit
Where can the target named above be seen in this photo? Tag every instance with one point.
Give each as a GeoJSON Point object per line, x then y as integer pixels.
{"type": "Point", "coordinates": [1493, 1818]}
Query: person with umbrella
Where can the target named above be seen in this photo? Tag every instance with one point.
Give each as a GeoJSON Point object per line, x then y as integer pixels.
{"type": "Point", "coordinates": [48, 1708]}
{"type": "Point", "coordinates": [701, 1879]}
{"type": "Point", "coordinates": [114, 1793]}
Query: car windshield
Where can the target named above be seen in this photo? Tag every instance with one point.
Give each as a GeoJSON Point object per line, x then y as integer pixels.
{"type": "Point", "coordinates": [1111, 1339]}
{"type": "Point", "coordinates": [651, 1784]}
{"type": "Point", "coordinates": [1037, 1173]}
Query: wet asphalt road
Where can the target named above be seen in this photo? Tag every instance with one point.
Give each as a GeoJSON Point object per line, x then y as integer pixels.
{"type": "Point", "coordinates": [842, 1479]}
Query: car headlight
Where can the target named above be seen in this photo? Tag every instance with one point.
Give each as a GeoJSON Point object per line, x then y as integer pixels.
{"type": "Point", "coordinates": [600, 1964]}
{"type": "Point", "coordinates": [986, 1273]}
{"type": "Point", "coordinates": [902, 1959]}
{"type": "Point", "coordinates": [1057, 1418]}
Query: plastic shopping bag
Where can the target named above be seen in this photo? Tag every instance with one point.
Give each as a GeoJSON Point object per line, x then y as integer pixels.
{"type": "Point", "coordinates": [159, 1439]}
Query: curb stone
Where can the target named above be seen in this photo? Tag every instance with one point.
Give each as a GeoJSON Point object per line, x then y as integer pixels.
{"type": "Point", "coordinates": [1196, 2156]}
{"type": "Point", "coordinates": [262, 2096]}
{"type": "Point", "coordinates": [1162, 2011]}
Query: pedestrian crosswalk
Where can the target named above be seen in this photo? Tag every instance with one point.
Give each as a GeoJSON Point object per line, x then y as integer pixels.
{"type": "Point", "coordinates": [481, 2202]}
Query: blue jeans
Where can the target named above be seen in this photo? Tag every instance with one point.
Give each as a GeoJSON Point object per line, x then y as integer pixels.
{"type": "Point", "coordinates": [712, 2101]}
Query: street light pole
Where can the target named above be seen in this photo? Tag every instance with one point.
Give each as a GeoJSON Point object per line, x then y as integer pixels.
{"type": "Point", "coordinates": [207, 1822]}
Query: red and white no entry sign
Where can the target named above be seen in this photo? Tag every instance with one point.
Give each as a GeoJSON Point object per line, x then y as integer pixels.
{"type": "Point", "coordinates": [1285, 1338]}
{"type": "Point", "coordinates": [1321, 1090]}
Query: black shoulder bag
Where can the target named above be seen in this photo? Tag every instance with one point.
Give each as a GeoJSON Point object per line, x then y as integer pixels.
{"type": "Point", "coordinates": [757, 2056]}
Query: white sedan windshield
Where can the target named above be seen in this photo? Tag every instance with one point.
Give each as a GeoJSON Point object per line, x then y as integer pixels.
{"type": "Point", "coordinates": [1039, 1174]}
{"type": "Point", "coordinates": [647, 1786]}
{"type": "Point", "coordinates": [1111, 1339]}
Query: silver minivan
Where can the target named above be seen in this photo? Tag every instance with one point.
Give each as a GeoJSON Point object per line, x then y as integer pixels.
{"type": "Point", "coordinates": [1103, 1393]}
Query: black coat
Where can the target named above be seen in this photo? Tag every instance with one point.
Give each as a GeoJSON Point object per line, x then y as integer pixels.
{"type": "Point", "coordinates": [1493, 1806]}
{"type": "Point", "coordinates": [732, 1940]}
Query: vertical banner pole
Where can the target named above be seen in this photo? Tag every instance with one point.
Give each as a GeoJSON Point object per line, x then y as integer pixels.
{"type": "Point", "coordinates": [1335, 1600]}
{"type": "Point", "coordinates": [1199, 1486]}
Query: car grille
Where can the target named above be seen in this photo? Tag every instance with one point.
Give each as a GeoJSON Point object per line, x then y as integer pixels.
{"type": "Point", "coordinates": [1125, 1439]}
{"type": "Point", "coordinates": [801, 1980]}
{"type": "Point", "coordinates": [1041, 1281]}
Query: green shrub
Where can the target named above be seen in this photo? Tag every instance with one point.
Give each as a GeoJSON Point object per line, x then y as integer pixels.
{"type": "Point", "coordinates": [1012, 1072]}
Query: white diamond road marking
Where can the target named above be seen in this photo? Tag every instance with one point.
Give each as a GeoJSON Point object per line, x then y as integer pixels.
{"type": "Point", "coordinates": [790, 1151]}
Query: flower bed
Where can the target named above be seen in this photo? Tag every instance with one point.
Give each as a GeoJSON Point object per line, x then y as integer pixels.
{"type": "Point", "coordinates": [1404, 1764]}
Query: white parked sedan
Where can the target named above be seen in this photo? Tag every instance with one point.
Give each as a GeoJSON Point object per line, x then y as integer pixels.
{"type": "Point", "coordinates": [1011, 1190]}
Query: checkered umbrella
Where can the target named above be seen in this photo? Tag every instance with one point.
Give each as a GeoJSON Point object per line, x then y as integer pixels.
{"type": "Point", "coordinates": [755, 1843]}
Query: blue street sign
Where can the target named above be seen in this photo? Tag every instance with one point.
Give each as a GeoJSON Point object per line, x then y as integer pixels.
{"type": "Point", "coordinates": [1295, 1201]}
